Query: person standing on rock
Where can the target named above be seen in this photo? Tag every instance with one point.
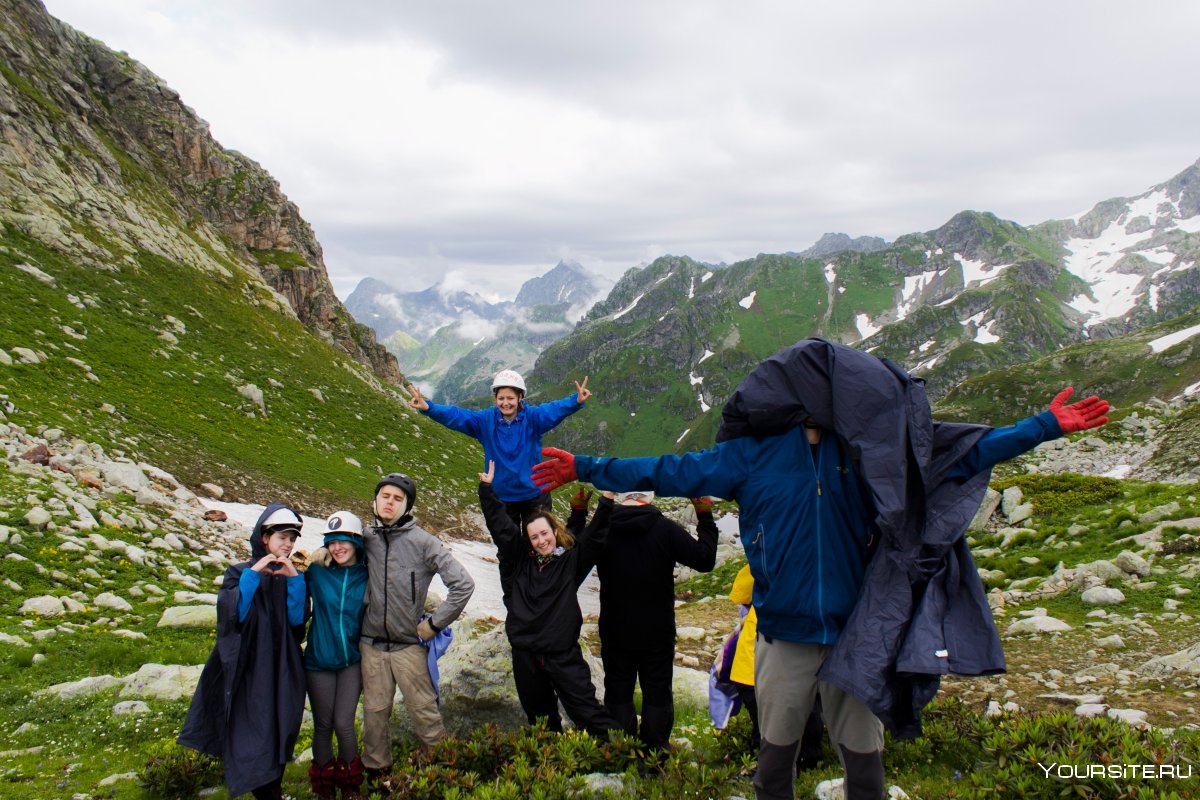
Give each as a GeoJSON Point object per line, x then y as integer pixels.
{"type": "Point", "coordinates": [402, 559]}
{"type": "Point", "coordinates": [249, 701]}
{"type": "Point", "coordinates": [541, 569]}
{"type": "Point", "coordinates": [511, 434]}
{"type": "Point", "coordinates": [853, 504]}
{"type": "Point", "coordinates": [337, 585]}
{"type": "Point", "coordinates": [637, 608]}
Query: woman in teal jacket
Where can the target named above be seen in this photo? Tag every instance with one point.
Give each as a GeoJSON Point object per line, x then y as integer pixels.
{"type": "Point", "coordinates": [337, 585]}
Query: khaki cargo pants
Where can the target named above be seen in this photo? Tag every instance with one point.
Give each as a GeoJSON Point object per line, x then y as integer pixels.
{"type": "Point", "coordinates": [406, 667]}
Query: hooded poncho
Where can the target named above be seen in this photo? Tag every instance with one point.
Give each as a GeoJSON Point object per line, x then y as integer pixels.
{"type": "Point", "coordinates": [250, 699]}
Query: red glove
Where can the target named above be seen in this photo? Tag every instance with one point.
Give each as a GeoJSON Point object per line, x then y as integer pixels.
{"type": "Point", "coordinates": [579, 500]}
{"type": "Point", "coordinates": [559, 470]}
{"type": "Point", "coordinates": [703, 505]}
{"type": "Point", "coordinates": [1079, 416]}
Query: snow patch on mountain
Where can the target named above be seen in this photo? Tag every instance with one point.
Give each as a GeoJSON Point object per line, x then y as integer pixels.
{"type": "Point", "coordinates": [748, 300]}
{"type": "Point", "coordinates": [629, 307]}
{"type": "Point", "coordinates": [1172, 339]}
{"type": "Point", "coordinates": [977, 273]}
{"type": "Point", "coordinates": [862, 323]}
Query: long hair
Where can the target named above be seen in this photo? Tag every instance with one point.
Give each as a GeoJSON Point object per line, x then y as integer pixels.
{"type": "Point", "coordinates": [562, 537]}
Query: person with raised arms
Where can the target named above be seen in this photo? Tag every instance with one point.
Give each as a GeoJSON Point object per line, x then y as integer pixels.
{"type": "Point", "coordinates": [511, 434]}
{"type": "Point", "coordinates": [853, 504]}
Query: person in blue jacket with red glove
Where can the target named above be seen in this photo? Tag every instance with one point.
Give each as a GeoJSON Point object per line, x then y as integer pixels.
{"type": "Point", "coordinates": [853, 504]}
{"type": "Point", "coordinates": [511, 434]}
{"type": "Point", "coordinates": [337, 585]}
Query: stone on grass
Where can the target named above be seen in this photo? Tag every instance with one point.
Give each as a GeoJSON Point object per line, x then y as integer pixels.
{"type": "Point", "coordinates": [117, 778]}
{"type": "Point", "coordinates": [162, 681]}
{"type": "Point", "coordinates": [189, 617]}
{"type": "Point", "coordinates": [44, 606]}
{"type": "Point", "coordinates": [110, 600]}
{"type": "Point", "coordinates": [1037, 624]}
{"type": "Point", "coordinates": [1131, 717]}
{"type": "Point", "coordinates": [1090, 710]}
{"type": "Point", "coordinates": [1133, 564]}
{"type": "Point", "coordinates": [81, 688]}
{"type": "Point", "coordinates": [1102, 596]}
{"type": "Point", "coordinates": [38, 518]}
{"type": "Point", "coordinates": [124, 476]}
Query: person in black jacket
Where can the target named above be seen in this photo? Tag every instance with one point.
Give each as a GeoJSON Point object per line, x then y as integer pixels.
{"type": "Point", "coordinates": [249, 702]}
{"type": "Point", "coordinates": [543, 570]}
{"type": "Point", "coordinates": [637, 607]}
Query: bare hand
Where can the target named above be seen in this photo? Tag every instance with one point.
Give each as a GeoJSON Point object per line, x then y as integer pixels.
{"type": "Point", "coordinates": [416, 402]}
{"type": "Point", "coordinates": [275, 566]}
{"type": "Point", "coordinates": [582, 393]}
{"type": "Point", "coordinates": [486, 477]}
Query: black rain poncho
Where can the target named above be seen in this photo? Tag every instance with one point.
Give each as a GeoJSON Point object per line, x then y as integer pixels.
{"type": "Point", "coordinates": [921, 590]}
{"type": "Point", "coordinates": [250, 699]}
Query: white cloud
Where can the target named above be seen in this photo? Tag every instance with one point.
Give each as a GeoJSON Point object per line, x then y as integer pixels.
{"type": "Point", "coordinates": [490, 138]}
{"type": "Point", "coordinates": [475, 328]}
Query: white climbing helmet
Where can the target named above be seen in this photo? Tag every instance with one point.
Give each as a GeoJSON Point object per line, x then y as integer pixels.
{"type": "Point", "coordinates": [283, 518]}
{"type": "Point", "coordinates": [344, 522]}
{"type": "Point", "coordinates": [510, 378]}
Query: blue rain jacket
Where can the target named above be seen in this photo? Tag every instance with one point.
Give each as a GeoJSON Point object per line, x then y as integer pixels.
{"type": "Point", "coordinates": [844, 538]}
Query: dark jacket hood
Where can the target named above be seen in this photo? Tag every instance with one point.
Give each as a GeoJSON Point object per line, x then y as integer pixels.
{"type": "Point", "coordinates": [257, 548]}
{"type": "Point", "coordinates": [634, 520]}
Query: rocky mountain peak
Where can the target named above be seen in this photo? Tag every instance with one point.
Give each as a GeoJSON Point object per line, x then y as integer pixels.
{"type": "Point", "coordinates": [831, 243]}
{"type": "Point", "coordinates": [568, 282]}
{"type": "Point", "coordinates": [102, 144]}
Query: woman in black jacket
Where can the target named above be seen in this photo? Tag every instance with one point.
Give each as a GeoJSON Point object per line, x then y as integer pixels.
{"type": "Point", "coordinates": [541, 570]}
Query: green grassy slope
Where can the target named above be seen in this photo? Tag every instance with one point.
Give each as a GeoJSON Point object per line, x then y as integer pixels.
{"type": "Point", "coordinates": [176, 403]}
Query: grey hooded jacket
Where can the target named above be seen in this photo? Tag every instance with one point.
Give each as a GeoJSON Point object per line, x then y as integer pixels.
{"type": "Point", "coordinates": [402, 560]}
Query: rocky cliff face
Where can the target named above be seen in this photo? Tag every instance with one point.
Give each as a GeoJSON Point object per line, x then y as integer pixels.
{"type": "Point", "coordinates": [101, 160]}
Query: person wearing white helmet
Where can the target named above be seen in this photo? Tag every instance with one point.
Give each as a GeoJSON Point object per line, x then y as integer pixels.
{"type": "Point", "coordinates": [337, 585]}
{"type": "Point", "coordinates": [511, 434]}
{"type": "Point", "coordinates": [249, 701]}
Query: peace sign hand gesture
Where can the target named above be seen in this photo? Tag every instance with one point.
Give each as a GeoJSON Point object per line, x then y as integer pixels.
{"type": "Point", "coordinates": [582, 393]}
{"type": "Point", "coordinates": [486, 477]}
{"type": "Point", "coordinates": [417, 402]}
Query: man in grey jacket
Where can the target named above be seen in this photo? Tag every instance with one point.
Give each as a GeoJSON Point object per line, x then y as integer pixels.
{"type": "Point", "coordinates": [402, 559]}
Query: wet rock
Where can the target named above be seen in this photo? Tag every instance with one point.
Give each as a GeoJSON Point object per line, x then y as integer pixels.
{"type": "Point", "coordinates": [38, 454]}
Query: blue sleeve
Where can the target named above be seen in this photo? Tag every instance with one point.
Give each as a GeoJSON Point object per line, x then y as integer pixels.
{"type": "Point", "coordinates": [1001, 444]}
{"type": "Point", "coordinates": [719, 472]}
{"type": "Point", "coordinates": [247, 586]}
{"type": "Point", "coordinates": [545, 416]}
{"type": "Point", "coordinates": [296, 599]}
{"type": "Point", "coordinates": [456, 419]}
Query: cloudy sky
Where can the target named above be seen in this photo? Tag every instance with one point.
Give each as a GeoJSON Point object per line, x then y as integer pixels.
{"type": "Point", "coordinates": [480, 141]}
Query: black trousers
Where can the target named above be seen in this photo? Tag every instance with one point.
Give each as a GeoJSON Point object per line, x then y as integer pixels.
{"type": "Point", "coordinates": [522, 510]}
{"type": "Point", "coordinates": [651, 667]}
{"type": "Point", "coordinates": [543, 679]}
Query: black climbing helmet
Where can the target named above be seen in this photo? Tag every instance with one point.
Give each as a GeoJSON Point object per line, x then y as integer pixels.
{"type": "Point", "coordinates": [401, 482]}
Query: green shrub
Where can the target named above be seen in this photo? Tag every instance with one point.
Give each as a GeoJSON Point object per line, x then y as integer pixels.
{"type": "Point", "coordinates": [1055, 494]}
{"type": "Point", "coordinates": [172, 771]}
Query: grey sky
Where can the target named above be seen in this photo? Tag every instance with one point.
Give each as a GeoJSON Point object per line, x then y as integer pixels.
{"type": "Point", "coordinates": [489, 139]}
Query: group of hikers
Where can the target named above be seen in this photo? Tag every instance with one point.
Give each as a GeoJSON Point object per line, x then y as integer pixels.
{"type": "Point", "coordinates": [852, 507]}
